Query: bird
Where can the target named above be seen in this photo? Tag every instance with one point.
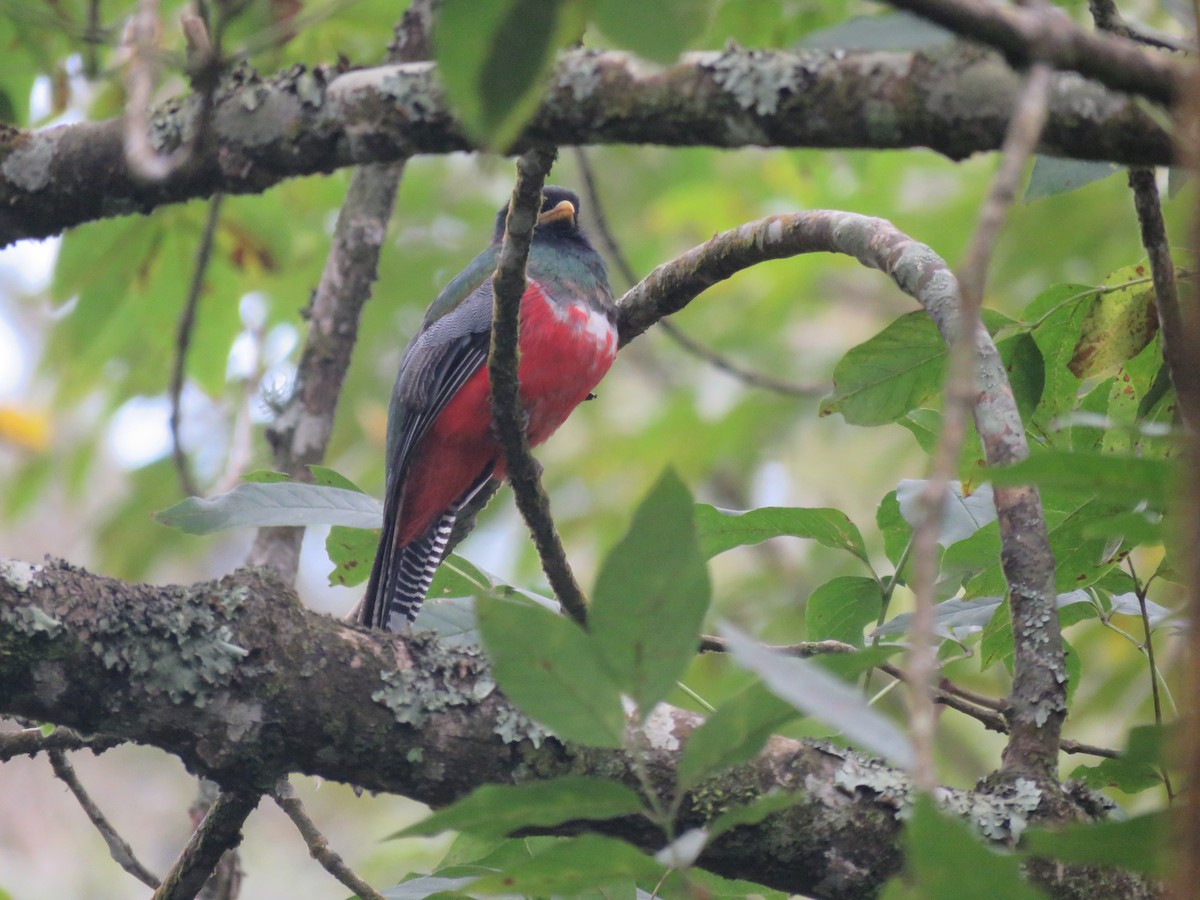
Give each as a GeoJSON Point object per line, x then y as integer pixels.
{"type": "Point", "coordinates": [441, 446]}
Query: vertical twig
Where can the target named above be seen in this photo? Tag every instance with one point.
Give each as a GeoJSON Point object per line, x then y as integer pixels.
{"type": "Point", "coordinates": [300, 434]}
{"type": "Point", "coordinates": [961, 391]}
{"type": "Point", "coordinates": [183, 341]}
{"type": "Point", "coordinates": [509, 285]}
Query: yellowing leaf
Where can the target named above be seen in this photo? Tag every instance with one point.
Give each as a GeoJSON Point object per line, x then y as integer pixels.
{"type": "Point", "coordinates": [1118, 326]}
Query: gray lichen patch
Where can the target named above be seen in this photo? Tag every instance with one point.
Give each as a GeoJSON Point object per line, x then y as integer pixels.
{"type": "Point", "coordinates": [18, 574]}
{"type": "Point", "coordinates": [997, 815]}
{"type": "Point", "coordinates": [440, 677]}
{"type": "Point", "coordinates": [757, 80]}
{"type": "Point", "coordinates": [29, 165]}
{"type": "Point", "coordinates": [513, 726]}
{"type": "Point", "coordinates": [184, 649]}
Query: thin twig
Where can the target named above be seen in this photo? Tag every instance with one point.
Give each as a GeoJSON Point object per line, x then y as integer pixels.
{"type": "Point", "coordinates": [1029, 682]}
{"type": "Point", "coordinates": [1108, 18]}
{"type": "Point", "coordinates": [508, 287]}
{"type": "Point", "coordinates": [318, 845]}
{"type": "Point", "coordinates": [691, 345]}
{"type": "Point", "coordinates": [220, 831]}
{"type": "Point", "coordinates": [183, 341]}
{"type": "Point", "coordinates": [144, 159]}
{"type": "Point", "coordinates": [32, 741]}
{"type": "Point", "coordinates": [118, 847]}
{"type": "Point", "coordinates": [986, 710]}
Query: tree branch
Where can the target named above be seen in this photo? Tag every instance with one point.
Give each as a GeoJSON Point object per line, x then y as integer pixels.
{"type": "Point", "coordinates": [220, 831]}
{"type": "Point", "coordinates": [118, 847]}
{"type": "Point", "coordinates": [503, 358]}
{"type": "Point", "coordinates": [1046, 34]}
{"type": "Point", "coordinates": [244, 685]}
{"type": "Point", "coordinates": [307, 121]}
{"type": "Point", "coordinates": [300, 434]}
{"type": "Point", "coordinates": [318, 845]}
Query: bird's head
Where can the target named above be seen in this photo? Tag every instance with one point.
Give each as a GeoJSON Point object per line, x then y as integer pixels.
{"type": "Point", "coordinates": [559, 218]}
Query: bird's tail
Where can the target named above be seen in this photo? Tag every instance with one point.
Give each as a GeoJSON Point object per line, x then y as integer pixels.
{"type": "Point", "coordinates": [401, 576]}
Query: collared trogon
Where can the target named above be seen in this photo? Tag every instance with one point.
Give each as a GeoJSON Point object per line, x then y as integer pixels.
{"type": "Point", "coordinates": [441, 449]}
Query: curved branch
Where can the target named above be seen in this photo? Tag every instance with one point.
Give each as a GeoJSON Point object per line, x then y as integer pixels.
{"type": "Point", "coordinates": [1025, 548]}
{"type": "Point", "coordinates": [307, 121]}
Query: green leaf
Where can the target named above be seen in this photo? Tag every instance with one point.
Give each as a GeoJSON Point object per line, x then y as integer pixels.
{"type": "Point", "coordinates": [815, 692]}
{"type": "Point", "coordinates": [1118, 479]}
{"type": "Point", "coordinates": [280, 503]}
{"type": "Point", "coordinates": [549, 668]}
{"type": "Point", "coordinates": [658, 31]}
{"type": "Point", "coordinates": [946, 861]}
{"type": "Point", "coordinates": [881, 379]}
{"type": "Point", "coordinates": [494, 811]}
{"type": "Point", "coordinates": [896, 532]}
{"type": "Point", "coordinates": [1053, 175]}
{"type": "Point", "coordinates": [841, 608]}
{"type": "Point", "coordinates": [733, 734]}
{"type": "Point", "coordinates": [1118, 325]}
{"type": "Point", "coordinates": [571, 866]}
{"type": "Point", "coordinates": [723, 529]}
{"type": "Point", "coordinates": [655, 575]}
{"type": "Point", "coordinates": [329, 478]}
{"type": "Point", "coordinates": [1056, 315]}
{"type": "Point", "coordinates": [1135, 770]}
{"type": "Point", "coordinates": [352, 551]}
{"type": "Point", "coordinates": [493, 55]}
{"type": "Point", "coordinates": [425, 887]}
{"type": "Point", "coordinates": [1140, 844]}
{"type": "Point", "coordinates": [889, 31]}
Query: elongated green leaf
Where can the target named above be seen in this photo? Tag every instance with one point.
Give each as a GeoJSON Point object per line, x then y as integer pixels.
{"type": "Point", "coordinates": [427, 886]}
{"type": "Point", "coordinates": [493, 54]}
{"type": "Point", "coordinates": [571, 866]}
{"type": "Point", "coordinates": [658, 31]}
{"type": "Point", "coordinates": [495, 810]}
{"type": "Point", "coordinates": [1118, 479]}
{"type": "Point", "coordinates": [550, 669]}
{"type": "Point", "coordinates": [733, 734]}
{"type": "Point", "coordinates": [1056, 315]}
{"type": "Point", "coordinates": [1052, 175]}
{"type": "Point", "coordinates": [945, 861]}
{"type": "Point", "coordinates": [823, 696]}
{"type": "Point", "coordinates": [651, 596]}
{"type": "Point", "coordinates": [1139, 844]}
{"type": "Point", "coordinates": [281, 503]}
{"type": "Point", "coordinates": [722, 529]}
{"type": "Point", "coordinates": [841, 608]}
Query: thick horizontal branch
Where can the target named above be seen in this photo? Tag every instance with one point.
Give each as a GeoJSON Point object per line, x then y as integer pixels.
{"type": "Point", "coordinates": [240, 682]}
{"type": "Point", "coordinates": [955, 100]}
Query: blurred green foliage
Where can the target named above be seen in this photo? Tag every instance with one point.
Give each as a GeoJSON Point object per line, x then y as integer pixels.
{"type": "Point", "coordinates": [1067, 280]}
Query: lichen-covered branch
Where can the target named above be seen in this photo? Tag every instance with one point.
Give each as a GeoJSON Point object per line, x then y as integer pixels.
{"type": "Point", "coordinates": [956, 100]}
{"type": "Point", "coordinates": [1043, 33]}
{"type": "Point", "coordinates": [244, 685]}
{"type": "Point", "coordinates": [1025, 549]}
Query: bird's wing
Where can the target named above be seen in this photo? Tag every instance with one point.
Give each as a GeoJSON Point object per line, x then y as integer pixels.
{"type": "Point", "coordinates": [438, 362]}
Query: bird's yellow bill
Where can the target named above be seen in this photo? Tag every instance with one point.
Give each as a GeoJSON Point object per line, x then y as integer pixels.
{"type": "Point", "coordinates": [564, 210]}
